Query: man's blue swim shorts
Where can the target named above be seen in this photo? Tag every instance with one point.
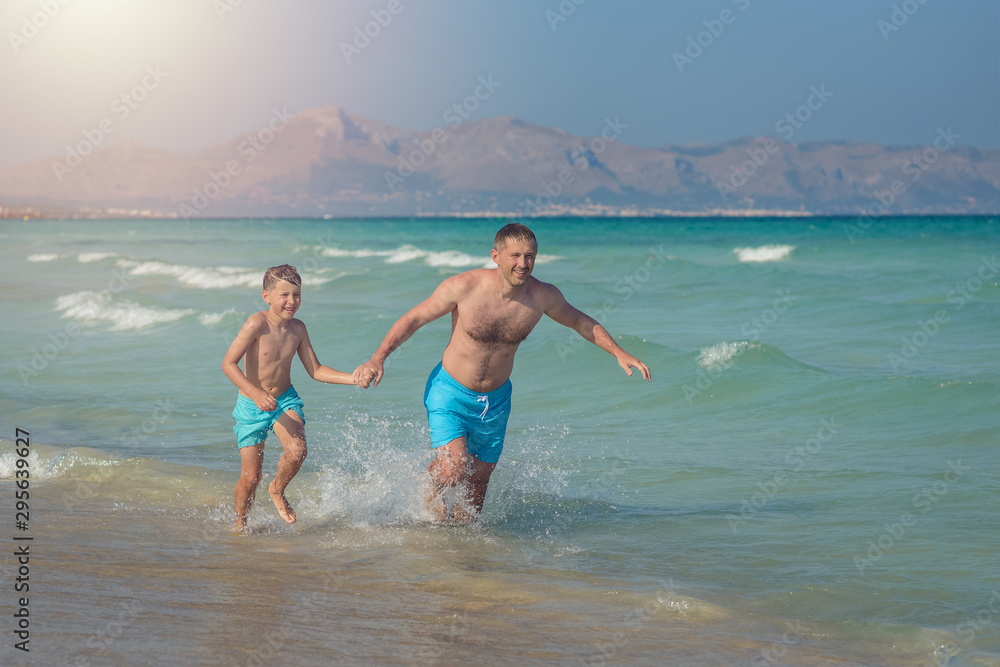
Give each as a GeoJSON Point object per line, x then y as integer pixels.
{"type": "Point", "coordinates": [453, 410]}
{"type": "Point", "coordinates": [252, 423]}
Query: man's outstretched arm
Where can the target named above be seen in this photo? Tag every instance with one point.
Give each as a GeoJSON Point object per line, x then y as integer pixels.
{"type": "Point", "coordinates": [441, 302]}
{"type": "Point", "coordinates": [565, 314]}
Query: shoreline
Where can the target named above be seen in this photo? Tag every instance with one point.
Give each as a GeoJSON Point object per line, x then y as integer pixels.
{"type": "Point", "coordinates": [106, 602]}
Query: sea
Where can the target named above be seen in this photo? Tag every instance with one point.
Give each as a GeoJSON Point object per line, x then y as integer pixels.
{"type": "Point", "coordinates": [811, 478]}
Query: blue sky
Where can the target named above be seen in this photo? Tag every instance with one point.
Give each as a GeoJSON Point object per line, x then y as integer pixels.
{"type": "Point", "coordinates": [891, 71]}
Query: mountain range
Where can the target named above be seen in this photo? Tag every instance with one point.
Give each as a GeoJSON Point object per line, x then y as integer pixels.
{"type": "Point", "coordinates": [325, 162]}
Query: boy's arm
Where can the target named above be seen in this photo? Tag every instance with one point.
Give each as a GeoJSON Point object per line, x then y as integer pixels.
{"type": "Point", "coordinates": [231, 364]}
{"type": "Point", "coordinates": [565, 314]}
{"type": "Point", "coordinates": [442, 301]}
{"type": "Point", "coordinates": [316, 370]}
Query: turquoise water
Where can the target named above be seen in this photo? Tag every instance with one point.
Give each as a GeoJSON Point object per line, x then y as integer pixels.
{"type": "Point", "coordinates": [810, 479]}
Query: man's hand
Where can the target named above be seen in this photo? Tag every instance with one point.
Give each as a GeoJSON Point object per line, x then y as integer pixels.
{"type": "Point", "coordinates": [368, 373]}
{"type": "Point", "coordinates": [628, 362]}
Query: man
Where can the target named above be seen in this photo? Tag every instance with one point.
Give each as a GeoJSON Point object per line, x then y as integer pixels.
{"type": "Point", "coordinates": [468, 394]}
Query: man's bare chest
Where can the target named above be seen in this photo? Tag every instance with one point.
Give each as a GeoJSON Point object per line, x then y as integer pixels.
{"type": "Point", "coordinates": [493, 325]}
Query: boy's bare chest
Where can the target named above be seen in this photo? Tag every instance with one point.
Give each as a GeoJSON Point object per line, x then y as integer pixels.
{"type": "Point", "coordinates": [276, 346]}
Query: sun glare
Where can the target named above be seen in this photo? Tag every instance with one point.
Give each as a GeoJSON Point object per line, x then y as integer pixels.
{"type": "Point", "coordinates": [97, 47]}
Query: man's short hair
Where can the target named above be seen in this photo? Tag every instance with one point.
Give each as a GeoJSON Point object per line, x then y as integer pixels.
{"type": "Point", "coordinates": [284, 272]}
{"type": "Point", "coordinates": [514, 231]}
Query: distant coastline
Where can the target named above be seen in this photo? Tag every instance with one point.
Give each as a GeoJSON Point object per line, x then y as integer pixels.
{"type": "Point", "coordinates": [25, 212]}
{"type": "Point", "coordinates": [328, 163]}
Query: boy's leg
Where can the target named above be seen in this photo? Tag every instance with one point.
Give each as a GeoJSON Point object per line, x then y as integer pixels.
{"type": "Point", "coordinates": [291, 432]}
{"type": "Point", "coordinates": [251, 459]}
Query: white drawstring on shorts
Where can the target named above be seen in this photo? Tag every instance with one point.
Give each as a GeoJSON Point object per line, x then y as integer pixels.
{"type": "Point", "coordinates": [484, 399]}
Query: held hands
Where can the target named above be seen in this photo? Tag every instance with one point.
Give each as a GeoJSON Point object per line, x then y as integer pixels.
{"type": "Point", "coordinates": [368, 373]}
{"type": "Point", "coordinates": [628, 362]}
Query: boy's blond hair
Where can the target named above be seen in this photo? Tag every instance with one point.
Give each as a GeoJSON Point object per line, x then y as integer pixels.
{"type": "Point", "coordinates": [285, 272]}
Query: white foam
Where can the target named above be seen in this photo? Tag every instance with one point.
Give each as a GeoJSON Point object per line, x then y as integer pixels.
{"type": "Point", "coordinates": [211, 319]}
{"type": "Point", "coordinates": [205, 278]}
{"type": "Point", "coordinates": [42, 257]}
{"type": "Point", "coordinates": [92, 308]}
{"type": "Point", "coordinates": [8, 466]}
{"type": "Point", "coordinates": [764, 253]}
{"type": "Point", "coordinates": [409, 253]}
{"type": "Point", "coordinates": [405, 253]}
{"type": "Point", "coordinates": [721, 353]}
{"type": "Point", "coordinates": [47, 462]}
{"type": "Point", "coordinates": [391, 495]}
{"type": "Point", "coordinates": [212, 277]}
{"type": "Point", "coordinates": [451, 258]}
{"type": "Point", "coordinates": [340, 252]}
{"type": "Point", "coordinates": [87, 257]}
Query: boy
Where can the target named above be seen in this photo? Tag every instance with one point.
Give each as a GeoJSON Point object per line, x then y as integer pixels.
{"type": "Point", "coordinates": [267, 401]}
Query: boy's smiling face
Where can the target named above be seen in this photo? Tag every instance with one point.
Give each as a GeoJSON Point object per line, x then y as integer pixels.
{"type": "Point", "coordinates": [284, 299]}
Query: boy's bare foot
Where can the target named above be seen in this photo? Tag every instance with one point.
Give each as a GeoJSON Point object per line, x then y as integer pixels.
{"type": "Point", "coordinates": [284, 509]}
{"type": "Point", "coordinates": [240, 524]}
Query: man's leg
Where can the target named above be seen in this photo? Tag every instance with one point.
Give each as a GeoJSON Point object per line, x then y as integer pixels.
{"type": "Point", "coordinates": [291, 432]}
{"type": "Point", "coordinates": [450, 467]}
{"type": "Point", "coordinates": [478, 481]}
{"type": "Point", "coordinates": [251, 459]}
{"type": "Point", "coordinates": [454, 466]}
